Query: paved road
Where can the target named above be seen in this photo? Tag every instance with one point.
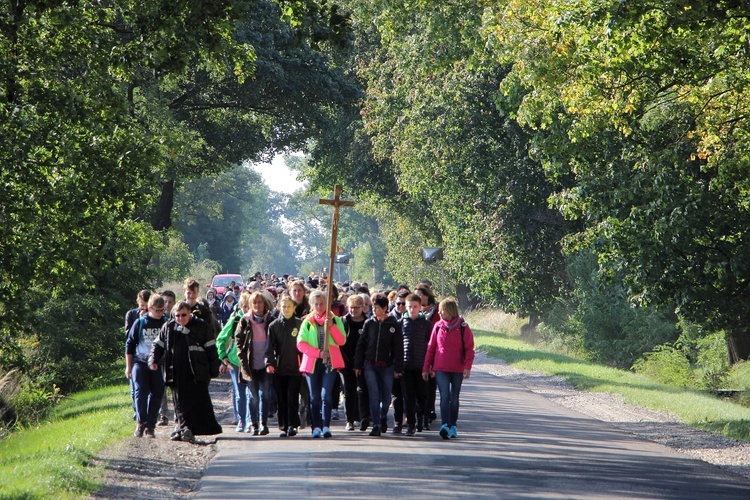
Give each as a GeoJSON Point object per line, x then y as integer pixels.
{"type": "Point", "coordinates": [512, 444]}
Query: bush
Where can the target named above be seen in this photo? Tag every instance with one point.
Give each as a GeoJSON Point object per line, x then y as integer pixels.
{"type": "Point", "coordinates": [667, 364]}
{"type": "Point", "coordinates": [33, 402]}
{"type": "Point", "coordinates": [598, 323]}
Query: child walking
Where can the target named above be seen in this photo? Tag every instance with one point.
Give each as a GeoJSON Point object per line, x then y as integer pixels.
{"type": "Point", "coordinates": [450, 354]}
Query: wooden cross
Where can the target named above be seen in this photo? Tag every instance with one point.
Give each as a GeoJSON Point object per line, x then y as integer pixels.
{"type": "Point", "coordinates": [336, 202]}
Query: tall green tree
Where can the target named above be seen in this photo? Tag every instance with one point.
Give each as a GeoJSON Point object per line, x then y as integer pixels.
{"type": "Point", "coordinates": [643, 104]}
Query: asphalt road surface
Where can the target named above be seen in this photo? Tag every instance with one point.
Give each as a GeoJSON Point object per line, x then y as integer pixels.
{"type": "Point", "coordinates": [511, 444]}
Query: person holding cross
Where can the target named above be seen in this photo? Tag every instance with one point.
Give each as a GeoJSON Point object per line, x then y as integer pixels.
{"type": "Point", "coordinates": [321, 335]}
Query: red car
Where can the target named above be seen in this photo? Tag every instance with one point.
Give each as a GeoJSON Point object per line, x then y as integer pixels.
{"type": "Point", "coordinates": [220, 282]}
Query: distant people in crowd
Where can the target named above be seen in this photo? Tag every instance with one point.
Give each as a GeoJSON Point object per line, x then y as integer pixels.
{"type": "Point", "coordinates": [214, 304]}
{"type": "Point", "coordinates": [449, 358]}
{"type": "Point", "coordinates": [228, 307]}
{"type": "Point", "coordinates": [148, 385]}
{"type": "Point", "coordinates": [187, 347]}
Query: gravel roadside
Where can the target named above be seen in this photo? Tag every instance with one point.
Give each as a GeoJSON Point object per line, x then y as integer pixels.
{"type": "Point", "coordinates": [160, 468]}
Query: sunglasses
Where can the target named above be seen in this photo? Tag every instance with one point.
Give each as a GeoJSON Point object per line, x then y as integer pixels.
{"type": "Point", "coordinates": [181, 315]}
{"type": "Point", "coordinates": [400, 303]}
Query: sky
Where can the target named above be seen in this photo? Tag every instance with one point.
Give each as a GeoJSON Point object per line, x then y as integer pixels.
{"type": "Point", "coordinates": [277, 175]}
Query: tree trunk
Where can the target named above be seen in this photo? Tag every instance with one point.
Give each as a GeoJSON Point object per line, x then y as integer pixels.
{"type": "Point", "coordinates": [738, 344]}
{"type": "Point", "coordinates": [163, 215]}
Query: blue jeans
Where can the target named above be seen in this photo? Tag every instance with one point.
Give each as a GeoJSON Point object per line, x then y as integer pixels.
{"type": "Point", "coordinates": [148, 389]}
{"type": "Point", "coordinates": [379, 386]}
{"type": "Point", "coordinates": [239, 389]}
{"type": "Point", "coordinates": [260, 402]}
{"type": "Point", "coordinates": [449, 385]}
{"type": "Point", "coordinates": [320, 384]}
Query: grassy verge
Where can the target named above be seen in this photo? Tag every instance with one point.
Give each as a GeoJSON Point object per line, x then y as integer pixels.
{"type": "Point", "coordinates": [55, 459]}
{"type": "Point", "coordinates": [497, 334]}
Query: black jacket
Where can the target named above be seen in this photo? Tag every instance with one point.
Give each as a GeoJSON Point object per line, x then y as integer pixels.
{"type": "Point", "coordinates": [282, 352]}
{"type": "Point", "coordinates": [353, 331]}
{"type": "Point", "coordinates": [416, 334]}
{"type": "Point", "coordinates": [204, 359]}
{"type": "Point", "coordinates": [380, 343]}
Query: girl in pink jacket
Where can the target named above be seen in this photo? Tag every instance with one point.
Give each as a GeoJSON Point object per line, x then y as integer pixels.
{"type": "Point", "coordinates": [450, 354]}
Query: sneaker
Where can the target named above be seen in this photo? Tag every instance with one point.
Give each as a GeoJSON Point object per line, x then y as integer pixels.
{"type": "Point", "coordinates": [397, 429]}
{"type": "Point", "coordinates": [240, 426]}
{"type": "Point", "coordinates": [139, 429]}
{"type": "Point", "coordinates": [187, 435]}
{"type": "Point", "coordinates": [252, 430]}
{"type": "Point", "coordinates": [291, 432]}
{"type": "Point", "coordinates": [334, 414]}
{"type": "Point", "coordinates": [453, 432]}
{"type": "Point", "coordinates": [410, 431]}
{"type": "Point", "coordinates": [444, 431]}
{"type": "Point", "coordinates": [263, 430]}
{"type": "Point", "coordinates": [149, 433]}
{"type": "Point", "coordinates": [283, 434]}
{"type": "Point", "coordinates": [326, 432]}
{"type": "Point", "coordinates": [384, 424]}
{"type": "Point", "coordinates": [349, 426]}
{"type": "Point", "coordinates": [176, 436]}
{"type": "Point", "coordinates": [364, 424]}
{"type": "Point", "coordinates": [316, 433]}
{"type": "Point", "coordinates": [375, 431]}
{"type": "Point", "coordinates": [163, 421]}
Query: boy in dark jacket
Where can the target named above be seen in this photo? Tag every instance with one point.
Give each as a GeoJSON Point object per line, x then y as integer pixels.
{"type": "Point", "coordinates": [416, 331]}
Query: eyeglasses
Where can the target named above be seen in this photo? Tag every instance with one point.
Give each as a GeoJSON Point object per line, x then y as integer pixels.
{"type": "Point", "coordinates": [400, 303]}
{"type": "Point", "coordinates": [181, 315]}
{"type": "Point", "coordinates": [158, 309]}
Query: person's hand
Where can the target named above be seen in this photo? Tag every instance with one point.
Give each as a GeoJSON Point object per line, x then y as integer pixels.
{"type": "Point", "coordinates": [397, 375]}
{"type": "Point", "coordinates": [153, 367]}
{"type": "Point", "coordinates": [223, 369]}
{"type": "Point", "coordinates": [128, 372]}
{"type": "Point", "coordinates": [425, 376]}
{"type": "Point", "coordinates": [270, 369]}
{"type": "Point", "coordinates": [432, 373]}
{"type": "Point", "coordinates": [324, 355]}
{"type": "Point", "coordinates": [467, 373]}
{"type": "Point", "coordinates": [357, 372]}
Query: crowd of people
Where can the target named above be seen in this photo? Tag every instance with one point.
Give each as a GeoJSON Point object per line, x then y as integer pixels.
{"type": "Point", "coordinates": [292, 355]}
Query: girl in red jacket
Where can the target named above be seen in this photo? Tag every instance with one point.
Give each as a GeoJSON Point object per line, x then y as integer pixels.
{"type": "Point", "coordinates": [450, 354]}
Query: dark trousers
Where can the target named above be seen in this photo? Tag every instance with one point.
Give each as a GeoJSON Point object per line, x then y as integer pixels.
{"type": "Point", "coordinates": [286, 388]}
{"type": "Point", "coordinates": [148, 388]}
{"type": "Point", "coordinates": [398, 403]}
{"type": "Point", "coordinates": [414, 389]}
{"type": "Point", "coordinates": [356, 397]}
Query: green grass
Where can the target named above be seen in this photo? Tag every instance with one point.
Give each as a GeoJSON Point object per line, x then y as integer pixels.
{"type": "Point", "coordinates": [55, 459]}
{"type": "Point", "coordinates": [498, 337]}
